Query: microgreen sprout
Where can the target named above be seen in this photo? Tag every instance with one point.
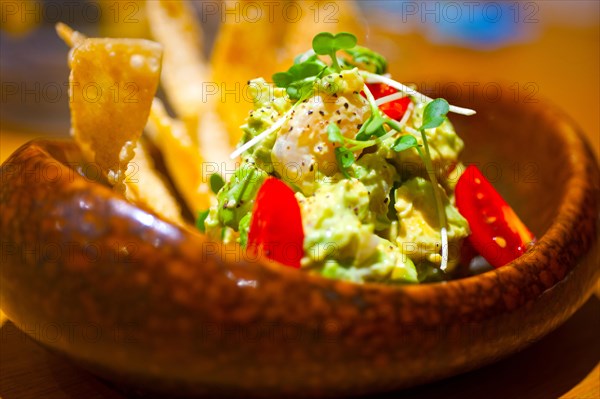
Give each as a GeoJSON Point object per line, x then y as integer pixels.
{"type": "Point", "coordinates": [299, 79]}
{"type": "Point", "coordinates": [326, 43]}
{"type": "Point", "coordinates": [433, 116]}
{"type": "Point", "coordinates": [374, 78]}
{"type": "Point", "coordinates": [364, 57]}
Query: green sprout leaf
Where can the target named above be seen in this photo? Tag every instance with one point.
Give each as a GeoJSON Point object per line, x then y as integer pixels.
{"type": "Point", "coordinates": [435, 113]}
{"type": "Point", "coordinates": [405, 142]}
{"type": "Point", "coordinates": [200, 220]}
{"type": "Point", "coordinates": [334, 133]}
{"type": "Point", "coordinates": [372, 127]}
{"type": "Point", "coordinates": [368, 59]}
{"type": "Point", "coordinates": [299, 79]}
{"type": "Point", "coordinates": [326, 43]}
{"type": "Point", "coordinates": [283, 79]}
{"type": "Point", "coordinates": [216, 182]}
{"type": "Point", "coordinates": [345, 159]}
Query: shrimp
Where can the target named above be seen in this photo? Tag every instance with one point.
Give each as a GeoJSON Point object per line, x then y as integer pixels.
{"type": "Point", "coordinates": [302, 151]}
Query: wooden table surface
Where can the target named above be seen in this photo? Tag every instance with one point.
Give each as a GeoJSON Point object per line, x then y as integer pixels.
{"type": "Point", "coordinates": [563, 364]}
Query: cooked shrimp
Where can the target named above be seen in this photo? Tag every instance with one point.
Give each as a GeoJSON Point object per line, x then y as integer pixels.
{"type": "Point", "coordinates": [302, 147]}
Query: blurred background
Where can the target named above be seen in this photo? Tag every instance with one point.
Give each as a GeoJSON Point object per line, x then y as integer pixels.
{"type": "Point", "coordinates": [536, 49]}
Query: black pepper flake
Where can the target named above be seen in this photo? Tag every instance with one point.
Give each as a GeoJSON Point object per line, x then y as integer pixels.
{"type": "Point", "coordinates": [310, 111]}
{"type": "Point", "coordinates": [335, 95]}
{"type": "Point", "coordinates": [338, 112]}
{"type": "Point", "coordinates": [355, 92]}
{"type": "Point", "coordinates": [291, 128]}
{"type": "Point", "coordinates": [339, 121]}
{"type": "Point", "coordinates": [385, 201]}
{"type": "Point", "coordinates": [359, 126]}
{"type": "Point", "coordinates": [307, 126]}
{"type": "Point", "coordinates": [312, 167]}
{"type": "Point", "coordinates": [319, 148]}
{"type": "Point", "coordinates": [346, 105]}
{"type": "Point", "coordinates": [341, 77]}
{"type": "Point", "coordinates": [322, 113]}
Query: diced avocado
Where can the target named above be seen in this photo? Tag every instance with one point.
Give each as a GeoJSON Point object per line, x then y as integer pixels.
{"type": "Point", "coordinates": [378, 176]}
{"type": "Point", "coordinates": [339, 243]}
{"type": "Point", "coordinates": [236, 198]}
{"type": "Point", "coordinates": [345, 82]}
{"type": "Point", "coordinates": [418, 227]}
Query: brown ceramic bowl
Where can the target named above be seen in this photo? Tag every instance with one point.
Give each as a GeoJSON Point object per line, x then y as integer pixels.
{"type": "Point", "coordinates": [145, 303]}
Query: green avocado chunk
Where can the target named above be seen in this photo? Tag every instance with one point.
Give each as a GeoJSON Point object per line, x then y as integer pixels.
{"type": "Point", "coordinates": [419, 234]}
{"type": "Point", "coordinates": [235, 199]}
{"type": "Point", "coordinates": [340, 243]}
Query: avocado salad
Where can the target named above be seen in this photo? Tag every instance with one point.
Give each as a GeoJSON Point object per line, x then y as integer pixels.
{"type": "Point", "coordinates": [344, 172]}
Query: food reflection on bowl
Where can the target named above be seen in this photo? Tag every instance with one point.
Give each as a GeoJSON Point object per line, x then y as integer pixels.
{"type": "Point", "coordinates": [173, 312]}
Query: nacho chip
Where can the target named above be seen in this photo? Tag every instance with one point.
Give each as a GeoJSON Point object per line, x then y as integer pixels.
{"type": "Point", "coordinates": [181, 156]}
{"type": "Point", "coordinates": [185, 71]}
{"type": "Point", "coordinates": [245, 49]}
{"type": "Point", "coordinates": [108, 125]}
{"type": "Point", "coordinates": [111, 87]}
{"type": "Point", "coordinates": [185, 79]}
{"type": "Point", "coordinates": [147, 187]}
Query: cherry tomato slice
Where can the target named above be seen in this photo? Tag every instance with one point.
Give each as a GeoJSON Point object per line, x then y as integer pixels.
{"type": "Point", "coordinates": [394, 109]}
{"type": "Point", "coordinates": [276, 225]}
{"type": "Point", "coordinates": [497, 233]}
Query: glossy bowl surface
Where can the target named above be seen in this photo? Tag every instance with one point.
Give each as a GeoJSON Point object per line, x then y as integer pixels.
{"type": "Point", "coordinates": [148, 304]}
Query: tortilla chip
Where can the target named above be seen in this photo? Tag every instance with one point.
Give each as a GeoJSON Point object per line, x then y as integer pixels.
{"type": "Point", "coordinates": [185, 71]}
{"type": "Point", "coordinates": [112, 84]}
{"type": "Point", "coordinates": [124, 75]}
{"type": "Point", "coordinates": [181, 156]}
{"type": "Point", "coordinates": [147, 187]}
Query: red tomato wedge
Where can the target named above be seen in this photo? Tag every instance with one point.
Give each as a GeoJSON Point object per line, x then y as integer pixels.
{"type": "Point", "coordinates": [276, 225]}
{"type": "Point", "coordinates": [497, 233]}
{"type": "Point", "coordinates": [394, 109]}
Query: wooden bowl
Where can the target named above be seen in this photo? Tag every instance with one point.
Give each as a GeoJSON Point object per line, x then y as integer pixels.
{"type": "Point", "coordinates": [145, 303]}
